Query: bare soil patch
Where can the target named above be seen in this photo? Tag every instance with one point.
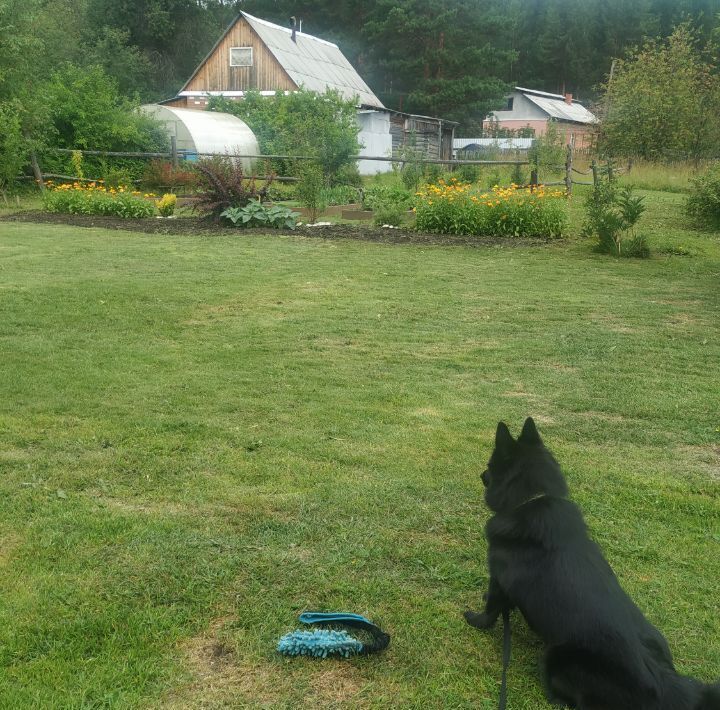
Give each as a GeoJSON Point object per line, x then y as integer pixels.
{"type": "Point", "coordinates": [199, 227]}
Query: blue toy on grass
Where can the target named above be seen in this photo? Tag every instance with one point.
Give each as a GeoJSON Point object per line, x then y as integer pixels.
{"type": "Point", "coordinates": [321, 643]}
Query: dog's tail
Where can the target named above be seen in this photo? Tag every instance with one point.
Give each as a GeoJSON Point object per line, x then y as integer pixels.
{"type": "Point", "coordinates": [709, 698]}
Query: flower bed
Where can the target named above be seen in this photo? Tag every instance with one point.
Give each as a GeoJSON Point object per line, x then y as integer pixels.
{"type": "Point", "coordinates": [460, 208]}
{"type": "Point", "coordinates": [95, 198]}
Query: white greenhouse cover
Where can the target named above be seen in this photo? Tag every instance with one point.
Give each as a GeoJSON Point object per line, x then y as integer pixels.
{"type": "Point", "coordinates": [199, 132]}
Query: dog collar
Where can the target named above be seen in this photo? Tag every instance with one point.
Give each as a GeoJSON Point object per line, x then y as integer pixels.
{"type": "Point", "coordinates": [537, 496]}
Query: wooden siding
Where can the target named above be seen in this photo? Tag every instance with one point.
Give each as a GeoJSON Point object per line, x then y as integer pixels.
{"type": "Point", "coordinates": [433, 139]}
{"type": "Point", "coordinates": [216, 74]}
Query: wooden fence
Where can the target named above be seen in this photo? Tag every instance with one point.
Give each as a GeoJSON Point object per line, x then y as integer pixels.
{"type": "Point", "coordinates": [175, 156]}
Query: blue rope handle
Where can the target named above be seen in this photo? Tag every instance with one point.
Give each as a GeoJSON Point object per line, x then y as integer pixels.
{"type": "Point", "coordinates": [380, 640]}
{"type": "Point", "coordinates": [321, 617]}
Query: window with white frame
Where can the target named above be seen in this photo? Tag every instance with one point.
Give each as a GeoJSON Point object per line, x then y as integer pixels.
{"type": "Point", "coordinates": [241, 56]}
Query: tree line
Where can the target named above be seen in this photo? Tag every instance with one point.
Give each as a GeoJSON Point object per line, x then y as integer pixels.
{"type": "Point", "coordinates": [71, 70]}
{"type": "Point", "coordinates": [453, 59]}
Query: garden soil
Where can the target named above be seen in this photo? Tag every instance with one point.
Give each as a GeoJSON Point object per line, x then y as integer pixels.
{"type": "Point", "coordinates": [199, 227]}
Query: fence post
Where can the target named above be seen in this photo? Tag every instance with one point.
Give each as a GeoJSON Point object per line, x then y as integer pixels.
{"type": "Point", "coordinates": [533, 179]}
{"type": "Point", "coordinates": [568, 170]}
{"type": "Point", "coordinates": [173, 150]}
{"type": "Point", "coordinates": [594, 167]}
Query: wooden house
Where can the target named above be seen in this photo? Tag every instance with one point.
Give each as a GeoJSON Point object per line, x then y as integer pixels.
{"type": "Point", "coordinates": [254, 54]}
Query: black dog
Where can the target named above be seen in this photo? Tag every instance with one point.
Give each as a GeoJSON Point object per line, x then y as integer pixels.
{"type": "Point", "coordinates": [601, 653]}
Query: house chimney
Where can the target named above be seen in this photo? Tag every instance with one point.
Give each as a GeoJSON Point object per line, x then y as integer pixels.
{"type": "Point", "coordinates": [293, 24]}
{"type": "Point", "coordinates": [568, 99]}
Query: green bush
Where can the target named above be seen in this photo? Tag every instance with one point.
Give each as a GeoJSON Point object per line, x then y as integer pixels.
{"type": "Point", "coordinates": [256, 214]}
{"type": "Point", "coordinates": [703, 204]}
{"type": "Point", "coordinates": [611, 213]}
{"type": "Point", "coordinates": [310, 189]}
{"type": "Point", "coordinates": [13, 147]}
{"type": "Point", "coordinates": [458, 208]}
{"type": "Point", "coordinates": [340, 195]}
{"type": "Point", "coordinates": [468, 173]}
{"type": "Point", "coordinates": [302, 122]}
{"type": "Point", "coordinates": [377, 195]}
{"type": "Point", "coordinates": [88, 112]}
{"type": "Point", "coordinates": [389, 213]}
{"type": "Point", "coordinates": [517, 176]}
{"type": "Point", "coordinates": [97, 201]}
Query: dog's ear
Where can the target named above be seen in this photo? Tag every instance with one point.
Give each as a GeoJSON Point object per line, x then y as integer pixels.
{"type": "Point", "coordinates": [529, 434]}
{"type": "Point", "coordinates": [503, 439]}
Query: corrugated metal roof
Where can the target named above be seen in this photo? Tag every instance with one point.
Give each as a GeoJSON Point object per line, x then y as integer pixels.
{"type": "Point", "coordinates": [560, 109]}
{"type": "Point", "coordinates": [555, 106]}
{"type": "Point", "coordinates": [312, 62]}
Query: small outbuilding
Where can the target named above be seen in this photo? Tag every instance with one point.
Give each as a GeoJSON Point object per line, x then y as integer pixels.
{"type": "Point", "coordinates": [198, 132]}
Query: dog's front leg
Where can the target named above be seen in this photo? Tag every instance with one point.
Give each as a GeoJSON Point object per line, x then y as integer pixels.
{"type": "Point", "coordinates": [495, 601]}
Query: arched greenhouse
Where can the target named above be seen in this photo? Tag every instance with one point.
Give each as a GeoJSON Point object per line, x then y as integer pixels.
{"type": "Point", "coordinates": [198, 132]}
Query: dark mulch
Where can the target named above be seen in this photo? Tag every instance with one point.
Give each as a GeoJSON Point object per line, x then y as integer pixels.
{"type": "Point", "coordinates": [195, 226]}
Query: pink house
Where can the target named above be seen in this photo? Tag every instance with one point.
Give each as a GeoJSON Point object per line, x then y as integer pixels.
{"type": "Point", "coordinates": [527, 108]}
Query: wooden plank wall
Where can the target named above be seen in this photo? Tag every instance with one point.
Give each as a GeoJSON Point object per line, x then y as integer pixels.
{"type": "Point", "coordinates": [424, 132]}
{"type": "Point", "coordinates": [216, 74]}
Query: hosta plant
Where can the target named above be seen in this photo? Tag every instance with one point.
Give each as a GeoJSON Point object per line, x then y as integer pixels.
{"type": "Point", "coordinates": [256, 214]}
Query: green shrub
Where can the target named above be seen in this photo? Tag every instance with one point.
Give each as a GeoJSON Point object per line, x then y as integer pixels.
{"type": "Point", "coordinates": [389, 213]}
{"type": "Point", "coordinates": [611, 213]}
{"type": "Point", "coordinates": [458, 208]}
{"type": "Point", "coordinates": [256, 214]}
{"type": "Point", "coordinates": [377, 195]}
{"type": "Point", "coordinates": [468, 173]}
{"type": "Point", "coordinates": [517, 176]}
{"type": "Point", "coordinates": [13, 147]}
{"type": "Point", "coordinates": [115, 177]}
{"type": "Point", "coordinates": [310, 189]}
{"type": "Point", "coordinates": [97, 200]}
{"type": "Point", "coordinates": [87, 111]}
{"type": "Point", "coordinates": [340, 195]}
{"type": "Point", "coordinates": [703, 204]}
{"type": "Point", "coordinates": [493, 179]}
{"type": "Point", "coordinates": [301, 122]}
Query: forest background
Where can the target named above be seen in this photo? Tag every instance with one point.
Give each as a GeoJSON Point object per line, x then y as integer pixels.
{"type": "Point", "coordinates": [451, 59]}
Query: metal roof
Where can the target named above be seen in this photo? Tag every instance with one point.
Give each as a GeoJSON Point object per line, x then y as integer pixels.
{"type": "Point", "coordinates": [312, 62]}
{"type": "Point", "coordinates": [555, 106]}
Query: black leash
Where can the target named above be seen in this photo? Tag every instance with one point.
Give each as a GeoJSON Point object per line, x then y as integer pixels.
{"type": "Point", "coordinates": [506, 658]}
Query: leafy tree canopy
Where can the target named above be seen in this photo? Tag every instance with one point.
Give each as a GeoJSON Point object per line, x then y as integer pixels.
{"type": "Point", "coordinates": [664, 100]}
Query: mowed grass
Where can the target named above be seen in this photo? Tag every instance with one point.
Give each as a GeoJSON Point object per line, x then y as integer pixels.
{"type": "Point", "coordinates": [200, 438]}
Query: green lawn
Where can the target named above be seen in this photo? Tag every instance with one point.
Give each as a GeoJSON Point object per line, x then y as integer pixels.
{"type": "Point", "coordinates": [202, 437]}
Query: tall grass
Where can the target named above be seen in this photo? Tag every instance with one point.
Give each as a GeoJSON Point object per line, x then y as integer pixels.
{"type": "Point", "coordinates": [673, 177]}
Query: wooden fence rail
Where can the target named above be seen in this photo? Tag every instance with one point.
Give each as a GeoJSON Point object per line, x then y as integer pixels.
{"type": "Point", "coordinates": [176, 155]}
{"type": "Point", "coordinates": [382, 158]}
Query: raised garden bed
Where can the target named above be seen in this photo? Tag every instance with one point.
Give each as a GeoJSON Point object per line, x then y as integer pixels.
{"type": "Point", "coordinates": [196, 226]}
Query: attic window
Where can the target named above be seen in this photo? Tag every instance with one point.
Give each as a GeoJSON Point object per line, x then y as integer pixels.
{"type": "Point", "coordinates": [241, 56]}
{"type": "Point", "coordinates": [509, 106]}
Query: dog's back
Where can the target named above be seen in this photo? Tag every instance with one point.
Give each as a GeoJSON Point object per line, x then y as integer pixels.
{"type": "Point", "coordinates": [601, 651]}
